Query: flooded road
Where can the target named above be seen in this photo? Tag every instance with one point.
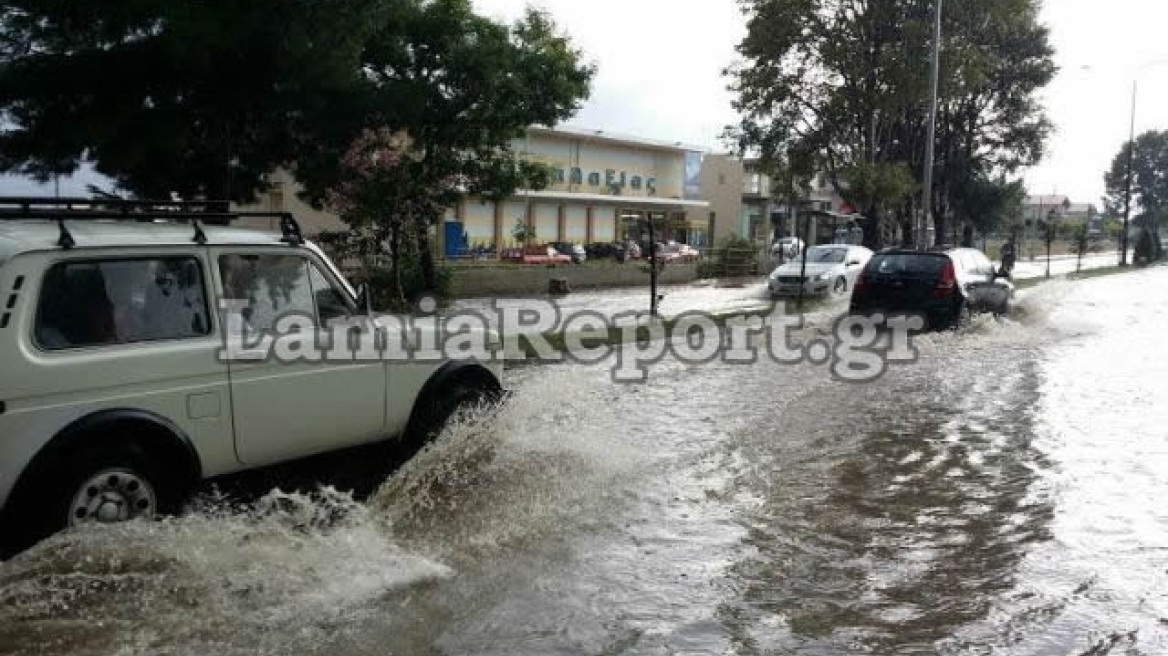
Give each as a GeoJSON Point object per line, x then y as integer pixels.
{"type": "Point", "coordinates": [1003, 495]}
{"type": "Point", "coordinates": [746, 295]}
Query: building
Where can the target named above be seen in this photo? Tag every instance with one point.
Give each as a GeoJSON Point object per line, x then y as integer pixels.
{"type": "Point", "coordinates": [721, 188]}
{"type": "Point", "coordinates": [1037, 208]}
{"type": "Point", "coordinates": [766, 214]}
{"type": "Point", "coordinates": [605, 188]}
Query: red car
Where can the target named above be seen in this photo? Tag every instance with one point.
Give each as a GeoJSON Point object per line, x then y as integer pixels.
{"type": "Point", "coordinates": [536, 255]}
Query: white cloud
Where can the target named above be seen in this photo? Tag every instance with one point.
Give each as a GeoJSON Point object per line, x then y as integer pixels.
{"type": "Point", "coordinates": [659, 62]}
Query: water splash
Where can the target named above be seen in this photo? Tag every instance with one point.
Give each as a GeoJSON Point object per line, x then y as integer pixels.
{"type": "Point", "coordinates": [292, 561]}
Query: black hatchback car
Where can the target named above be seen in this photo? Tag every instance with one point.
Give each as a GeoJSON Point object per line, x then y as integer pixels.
{"type": "Point", "coordinates": [944, 287]}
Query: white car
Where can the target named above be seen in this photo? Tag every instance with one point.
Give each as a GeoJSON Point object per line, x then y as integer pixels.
{"type": "Point", "coordinates": [829, 270]}
{"type": "Point", "coordinates": [116, 397]}
{"type": "Point", "coordinates": [787, 248]}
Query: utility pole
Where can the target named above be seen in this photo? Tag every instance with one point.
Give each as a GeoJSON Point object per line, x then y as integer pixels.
{"type": "Point", "coordinates": [652, 267]}
{"type": "Point", "coordinates": [803, 266]}
{"type": "Point", "coordinates": [930, 145]}
{"type": "Point", "coordinates": [1127, 196]}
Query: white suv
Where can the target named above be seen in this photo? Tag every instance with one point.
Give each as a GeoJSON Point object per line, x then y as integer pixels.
{"type": "Point", "coordinates": [115, 396]}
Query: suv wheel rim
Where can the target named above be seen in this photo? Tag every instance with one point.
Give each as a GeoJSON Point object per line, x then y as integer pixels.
{"type": "Point", "coordinates": [110, 496]}
{"type": "Point", "coordinates": [841, 285]}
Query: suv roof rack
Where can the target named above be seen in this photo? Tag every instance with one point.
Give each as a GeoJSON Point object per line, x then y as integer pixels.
{"type": "Point", "coordinates": [211, 212]}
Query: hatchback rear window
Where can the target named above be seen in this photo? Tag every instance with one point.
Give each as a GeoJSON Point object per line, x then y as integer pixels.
{"type": "Point", "coordinates": [105, 302]}
{"type": "Point", "coordinates": [913, 264]}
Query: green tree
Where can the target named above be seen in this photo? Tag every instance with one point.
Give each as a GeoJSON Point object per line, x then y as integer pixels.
{"type": "Point", "coordinates": [985, 205]}
{"type": "Point", "coordinates": [846, 82]}
{"type": "Point", "coordinates": [473, 87]}
{"type": "Point", "coordinates": [206, 99]}
{"type": "Point", "coordinates": [1149, 199]}
{"type": "Point", "coordinates": [201, 99]}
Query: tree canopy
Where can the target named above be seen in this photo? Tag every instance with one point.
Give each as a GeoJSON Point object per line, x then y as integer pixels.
{"type": "Point", "coordinates": [206, 99]}
{"type": "Point", "coordinates": [841, 87]}
{"type": "Point", "coordinates": [1149, 178]}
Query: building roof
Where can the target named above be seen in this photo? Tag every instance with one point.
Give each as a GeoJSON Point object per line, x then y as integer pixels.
{"type": "Point", "coordinates": [638, 201]}
{"type": "Point", "coordinates": [1057, 202]}
{"type": "Point", "coordinates": [27, 235]}
{"type": "Point", "coordinates": [1046, 201]}
{"type": "Point", "coordinates": [604, 136]}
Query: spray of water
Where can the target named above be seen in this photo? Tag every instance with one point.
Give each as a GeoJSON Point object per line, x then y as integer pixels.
{"type": "Point", "coordinates": [286, 573]}
{"type": "Point", "coordinates": [503, 477]}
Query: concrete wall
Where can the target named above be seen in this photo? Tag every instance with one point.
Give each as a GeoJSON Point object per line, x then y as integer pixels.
{"type": "Point", "coordinates": [722, 180]}
{"type": "Point", "coordinates": [471, 282]}
{"type": "Point", "coordinates": [665, 168]}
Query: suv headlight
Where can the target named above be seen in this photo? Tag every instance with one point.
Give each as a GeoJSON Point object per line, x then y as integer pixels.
{"type": "Point", "coordinates": [821, 277]}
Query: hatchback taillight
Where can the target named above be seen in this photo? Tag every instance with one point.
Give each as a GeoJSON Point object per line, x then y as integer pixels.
{"type": "Point", "coordinates": [947, 285]}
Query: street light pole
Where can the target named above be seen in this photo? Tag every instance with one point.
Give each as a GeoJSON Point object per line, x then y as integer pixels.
{"type": "Point", "coordinates": [1127, 195]}
{"type": "Point", "coordinates": [930, 145]}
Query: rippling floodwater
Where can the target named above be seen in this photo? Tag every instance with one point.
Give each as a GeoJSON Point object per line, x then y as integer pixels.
{"type": "Point", "coordinates": [1001, 496]}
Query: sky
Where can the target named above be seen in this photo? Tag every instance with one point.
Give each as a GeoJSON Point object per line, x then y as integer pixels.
{"type": "Point", "coordinates": [660, 62]}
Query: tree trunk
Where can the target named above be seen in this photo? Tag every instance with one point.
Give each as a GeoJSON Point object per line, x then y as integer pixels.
{"type": "Point", "coordinates": [396, 291]}
{"type": "Point", "coordinates": [426, 258]}
{"type": "Point", "coordinates": [871, 227]}
{"type": "Point", "coordinates": [967, 237]}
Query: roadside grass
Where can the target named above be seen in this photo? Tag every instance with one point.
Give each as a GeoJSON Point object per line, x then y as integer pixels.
{"type": "Point", "coordinates": [1085, 274]}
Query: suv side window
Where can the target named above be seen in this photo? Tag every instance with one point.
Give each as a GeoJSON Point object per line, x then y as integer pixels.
{"type": "Point", "coordinates": [270, 286]}
{"type": "Point", "coordinates": [330, 301]}
{"type": "Point", "coordinates": [121, 301]}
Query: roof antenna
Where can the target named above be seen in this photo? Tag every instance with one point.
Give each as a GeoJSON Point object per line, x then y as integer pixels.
{"type": "Point", "coordinates": [291, 230]}
{"type": "Point", "coordinates": [200, 236]}
{"type": "Point", "coordinates": [65, 241]}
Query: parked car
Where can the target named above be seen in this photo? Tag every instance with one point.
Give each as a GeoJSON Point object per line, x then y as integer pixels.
{"type": "Point", "coordinates": [788, 248]}
{"type": "Point", "coordinates": [536, 256]}
{"type": "Point", "coordinates": [115, 396]}
{"type": "Point", "coordinates": [575, 251]}
{"type": "Point", "coordinates": [602, 251]}
{"type": "Point", "coordinates": [946, 288]}
{"type": "Point", "coordinates": [627, 250]}
{"type": "Point", "coordinates": [829, 269]}
{"type": "Point", "coordinates": [674, 252]}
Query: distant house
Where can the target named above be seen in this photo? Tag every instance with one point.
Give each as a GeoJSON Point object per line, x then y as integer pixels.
{"type": "Point", "coordinates": [1037, 208]}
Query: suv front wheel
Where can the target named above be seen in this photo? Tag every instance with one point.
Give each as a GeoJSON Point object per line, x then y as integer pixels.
{"type": "Point", "coordinates": [451, 404]}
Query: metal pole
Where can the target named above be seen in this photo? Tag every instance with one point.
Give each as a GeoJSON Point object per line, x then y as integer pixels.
{"type": "Point", "coordinates": [1131, 155]}
{"type": "Point", "coordinates": [652, 267]}
{"type": "Point", "coordinates": [803, 267]}
{"type": "Point", "coordinates": [930, 146]}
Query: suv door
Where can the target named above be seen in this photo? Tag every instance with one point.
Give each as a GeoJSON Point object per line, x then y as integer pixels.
{"type": "Point", "coordinates": [293, 408]}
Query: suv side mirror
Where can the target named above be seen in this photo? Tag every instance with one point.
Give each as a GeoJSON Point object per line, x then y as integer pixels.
{"type": "Point", "coordinates": [364, 301]}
